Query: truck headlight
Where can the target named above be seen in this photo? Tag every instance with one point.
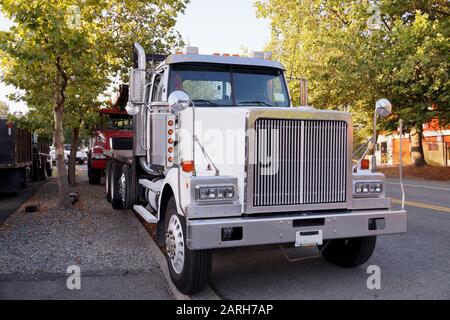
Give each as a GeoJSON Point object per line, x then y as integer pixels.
{"type": "Point", "coordinates": [215, 193]}
{"type": "Point", "coordinates": [365, 187]}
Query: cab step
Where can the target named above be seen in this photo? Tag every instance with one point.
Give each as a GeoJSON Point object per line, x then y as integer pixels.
{"type": "Point", "coordinates": [145, 214]}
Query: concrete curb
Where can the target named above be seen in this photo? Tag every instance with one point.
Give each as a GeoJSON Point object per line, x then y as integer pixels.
{"type": "Point", "coordinates": [206, 294]}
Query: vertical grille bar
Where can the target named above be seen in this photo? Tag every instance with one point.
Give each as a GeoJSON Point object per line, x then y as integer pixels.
{"type": "Point", "coordinates": [299, 162]}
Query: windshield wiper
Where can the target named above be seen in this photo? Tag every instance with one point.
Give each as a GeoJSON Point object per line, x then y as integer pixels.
{"type": "Point", "coordinates": [256, 102]}
{"type": "Point", "coordinates": [205, 101]}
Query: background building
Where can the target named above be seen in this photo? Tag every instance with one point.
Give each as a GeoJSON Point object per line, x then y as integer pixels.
{"type": "Point", "coordinates": [436, 146]}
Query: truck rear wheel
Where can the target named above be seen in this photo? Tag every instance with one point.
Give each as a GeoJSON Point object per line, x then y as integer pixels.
{"type": "Point", "coordinates": [349, 253]}
{"type": "Point", "coordinates": [49, 169]}
{"type": "Point", "coordinates": [116, 199]}
{"type": "Point", "coordinates": [125, 187]}
{"type": "Point", "coordinates": [189, 269]}
{"type": "Point", "coordinates": [95, 175]}
{"type": "Point", "coordinates": [23, 177]}
{"type": "Point", "coordinates": [108, 181]}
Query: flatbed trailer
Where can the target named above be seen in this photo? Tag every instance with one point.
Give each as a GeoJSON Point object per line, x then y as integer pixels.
{"type": "Point", "coordinates": [125, 156]}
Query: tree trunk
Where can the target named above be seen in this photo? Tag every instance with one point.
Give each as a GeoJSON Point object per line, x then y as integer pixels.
{"type": "Point", "coordinates": [73, 156]}
{"type": "Point", "coordinates": [417, 155]}
{"type": "Point", "coordinates": [58, 112]}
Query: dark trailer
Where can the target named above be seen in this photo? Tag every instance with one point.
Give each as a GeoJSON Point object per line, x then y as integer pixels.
{"type": "Point", "coordinates": [16, 155]}
{"type": "Point", "coordinates": [22, 155]}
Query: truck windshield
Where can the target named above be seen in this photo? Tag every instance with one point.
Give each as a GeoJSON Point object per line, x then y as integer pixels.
{"type": "Point", "coordinates": [120, 122]}
{"type": "Point", "coordinates": [230, 85]}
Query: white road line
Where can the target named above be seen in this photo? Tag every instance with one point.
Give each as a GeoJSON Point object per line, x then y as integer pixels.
{"type": "Point", "coordinates": [419, 186]}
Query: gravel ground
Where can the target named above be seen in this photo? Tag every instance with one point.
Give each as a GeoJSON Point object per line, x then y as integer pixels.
{"type": "Point", "coordinates": [94, 236]}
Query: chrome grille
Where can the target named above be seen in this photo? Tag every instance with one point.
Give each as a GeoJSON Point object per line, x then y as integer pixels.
{"type": "Point", "coordinates": [299, 162]}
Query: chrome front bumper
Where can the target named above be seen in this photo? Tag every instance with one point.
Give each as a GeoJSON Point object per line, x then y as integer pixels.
{"type": "Point", "coordinates": [207, 233]}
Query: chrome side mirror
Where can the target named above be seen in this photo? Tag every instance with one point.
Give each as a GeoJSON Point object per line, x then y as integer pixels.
{"type": "Point", "coordinates": [383, 108]}
{"type": "Point", "coordinates": [136, 86]}
{"type": "Point", "coordinates": [178, 101]}
{"type": "Point", "coordinates": [131, 109]}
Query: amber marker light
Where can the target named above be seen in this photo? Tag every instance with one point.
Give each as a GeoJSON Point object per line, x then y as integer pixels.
{"type": "Point", "coordinates": [365, 164]}
{"type": "Point", "coordinates": [188, 165]}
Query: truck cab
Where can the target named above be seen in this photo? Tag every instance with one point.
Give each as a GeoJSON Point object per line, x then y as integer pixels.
{"type": "Point", "coordinates": [113, 132]}
{"type": "Point", "coordinates": [221, 158]}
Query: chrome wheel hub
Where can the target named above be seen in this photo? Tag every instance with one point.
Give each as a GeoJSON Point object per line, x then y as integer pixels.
{"type": "Point", "coordinates": [175, 243]}
{"type": "Point", "coordinates": [122, 187]}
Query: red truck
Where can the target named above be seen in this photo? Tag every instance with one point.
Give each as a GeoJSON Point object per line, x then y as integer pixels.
{"type": "Point", "coordinates": [115, 132]}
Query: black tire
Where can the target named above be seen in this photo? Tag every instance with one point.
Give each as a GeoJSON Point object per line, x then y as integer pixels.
{"type": "Point", "coordinates": [349, 253]}
{"type": "Point", "coordinates": [23, 178]}
{"type": "Point", "coordinates": [116, 199]}
{"type": "Point", "coordinates": [49, 169]}
{"type": "Point", "coordinates": [43, 170]}
{"type": "Point", "coordinates": [80, 161]}
{"type": "Point", "coordinates": [108, 181]}
{"type": "Point", "coordinates": [197, 264]}
{"type": "Point", "coordinates": [95, 175]}
{"type": "Point", "coordinates": [128, 200]}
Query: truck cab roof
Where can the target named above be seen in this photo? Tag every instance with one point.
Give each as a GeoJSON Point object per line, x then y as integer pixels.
{"type": "Point", "coordinates": [220, 59]}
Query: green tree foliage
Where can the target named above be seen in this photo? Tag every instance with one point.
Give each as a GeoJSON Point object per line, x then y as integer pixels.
{"type": "Point", "coordinates": [355, 52]}
{"type": "Point", "coordinates": [4, 109]}
{"type": "Point", "coordinates": [62, 53]}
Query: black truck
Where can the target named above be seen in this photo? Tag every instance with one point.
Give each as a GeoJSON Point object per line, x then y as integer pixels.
{"type": "Point", "coordinates": [23, 156]}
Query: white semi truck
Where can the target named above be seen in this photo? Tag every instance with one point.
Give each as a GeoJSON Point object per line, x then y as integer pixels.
{"type": "Point", "coordinates": [222, 159]}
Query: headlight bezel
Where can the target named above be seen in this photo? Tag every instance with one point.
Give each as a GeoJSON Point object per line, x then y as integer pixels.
{"type": "Point", "coordinates": [197, 182]}
{"type": "Point", "coordinates": [368, 188]}
{"type": "Point", "coordinates": [217, 190]}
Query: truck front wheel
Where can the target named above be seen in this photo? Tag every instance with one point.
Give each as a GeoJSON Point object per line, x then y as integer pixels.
{"type": "Point", "coordinates": [349, 253]}
{"type": "Point", "coordinates": [189, 269]}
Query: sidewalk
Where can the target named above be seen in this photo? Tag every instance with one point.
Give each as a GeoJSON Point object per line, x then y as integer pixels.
{"type": "Point", "coordinates": [111, 247]}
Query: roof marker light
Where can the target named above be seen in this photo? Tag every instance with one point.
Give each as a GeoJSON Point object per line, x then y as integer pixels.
{"type": "Point", "coordinates": [268, 55]}
{"type": "Point", "coordinates": [258, 55]}
{"type": "Point", "coordinates": [191, 50]}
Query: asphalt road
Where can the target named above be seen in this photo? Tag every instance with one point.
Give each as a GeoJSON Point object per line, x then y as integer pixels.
{"type": "Point", "coordinates": [9, 204]}
{"type": "Point", "coordinates": [415, 265]}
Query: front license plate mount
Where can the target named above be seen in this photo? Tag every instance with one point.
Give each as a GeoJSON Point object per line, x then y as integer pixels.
{"type": "Point", "coordinates": [308, 238]}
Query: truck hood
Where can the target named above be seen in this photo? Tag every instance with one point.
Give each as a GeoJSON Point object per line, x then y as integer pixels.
{"type": "Point", "coordinates": [222, 133]}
